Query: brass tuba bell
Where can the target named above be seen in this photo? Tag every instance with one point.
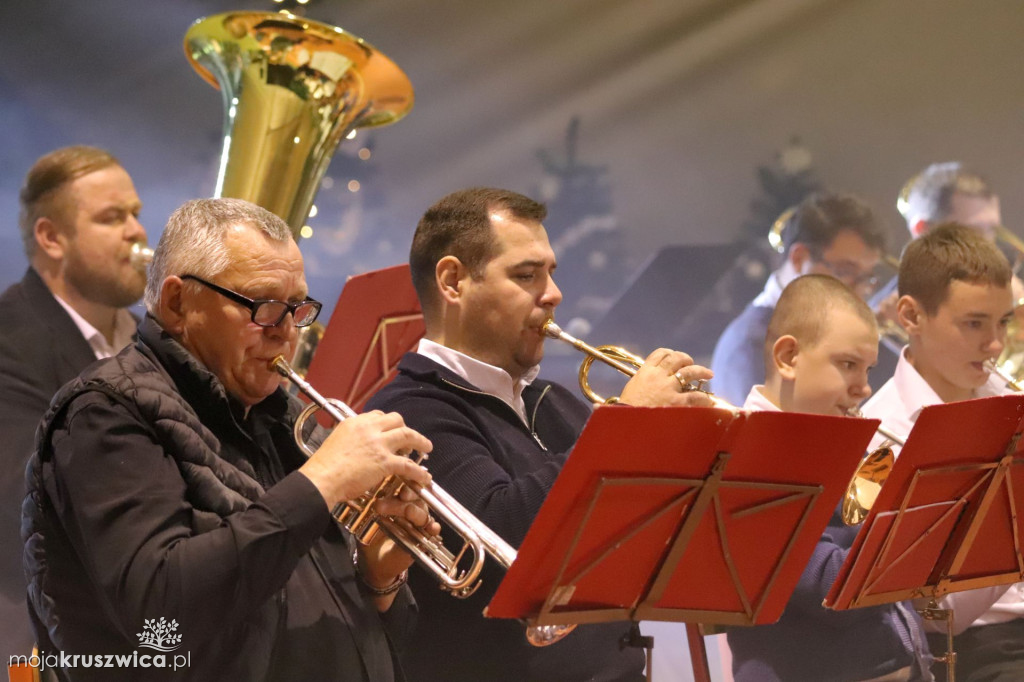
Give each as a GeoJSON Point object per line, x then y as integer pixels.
{"type": "Point", "coordinates": [292, 89]}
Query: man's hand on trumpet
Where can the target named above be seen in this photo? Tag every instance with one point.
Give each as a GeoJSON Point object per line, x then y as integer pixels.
{"type": "Point", "coordinates": [361, 452]}
{"type": "Point", "coordinates": [382, 562]}
{"type": "Point", "coordinates": [662, 381]}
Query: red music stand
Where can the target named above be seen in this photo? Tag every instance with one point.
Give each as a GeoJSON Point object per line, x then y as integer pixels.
{"type": "Point", "coordinates": [949, 486]}
{"type": "Point", "coordinates": [682, 514]}
{"type": "Point", "coordinates": [377, 319]}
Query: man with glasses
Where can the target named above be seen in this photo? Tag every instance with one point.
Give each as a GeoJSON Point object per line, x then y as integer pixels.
{"type": "Point", "coordinates": [168, 498]}
{"type": "Point", "coordinates": [831, 234]}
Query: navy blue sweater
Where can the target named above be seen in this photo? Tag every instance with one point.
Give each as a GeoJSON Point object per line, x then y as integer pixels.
{"type": "Point", "coordinates": [501, 469]}
{"type": "Point", "coordinates": [811, 642]}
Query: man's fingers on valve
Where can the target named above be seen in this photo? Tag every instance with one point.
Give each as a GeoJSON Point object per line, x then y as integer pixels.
{"type": "Point", "coordinates": [408, 505]}
{"type": "Point", "coordinates": [405, 468]}
{"type": "Point", "coordinates": [403, 441]}
{"type": "Point", "coordinates": [694, 399]}
{"type": "Point", "coordinates": [692, 374]}
{"type": "Point", "coordinates": [671, 361]}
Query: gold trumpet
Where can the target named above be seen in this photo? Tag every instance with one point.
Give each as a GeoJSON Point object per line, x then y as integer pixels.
{"type": "Point", "coordinates": [359, 518]}
{"type": "Point", "coordinates": [619, 358]}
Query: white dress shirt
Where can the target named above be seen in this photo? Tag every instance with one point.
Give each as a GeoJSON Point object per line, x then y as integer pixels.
{"type": "Point", "coordinates": [124, 328]}
{"type": "Point", "coordinates": [898, 404]}
{"type": "Point", "coordinates": [488, 378]}
{"type": "Point", "coordinates": [756, 402]}
{"type": "Point", "coordinates": [769, 296]}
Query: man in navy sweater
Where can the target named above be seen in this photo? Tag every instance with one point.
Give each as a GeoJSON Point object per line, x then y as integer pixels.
{"type": "Point", "coordinates": [482, 266]}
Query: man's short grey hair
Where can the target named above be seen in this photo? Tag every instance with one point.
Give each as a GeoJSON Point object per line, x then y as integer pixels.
{"type": "Point", "coordinates": [193, 240]}
{"type": "Point", "coordinates": [928, 196]}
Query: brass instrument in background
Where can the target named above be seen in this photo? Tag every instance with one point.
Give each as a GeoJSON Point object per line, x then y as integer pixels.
{"type": "Point", "coordinates": [778, 227]}
{"type": "Point", "coordinates": [619, 358]}
{"type": "Point", "coordinates": [457, 577]}
{"type": "Point", "coordinates": [292, 89]}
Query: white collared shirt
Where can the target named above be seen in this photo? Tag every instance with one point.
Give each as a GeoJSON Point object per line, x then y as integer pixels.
{"type": "Point", "coordinates": [124, 328]}
{"type": "Point", "coordinates": [756, 402]}
{"type": "Point", "coordinates": [769, 296]}
{"type": "Point", "coordinates": [900, 400]}
{"type": "Point", "coordinates": [898, 404]}
{"type": "Point", "coordinates": [488, 378]}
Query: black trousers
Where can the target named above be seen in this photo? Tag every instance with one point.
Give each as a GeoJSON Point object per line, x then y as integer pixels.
{"type": "Point", "coordinates": [987, 653]}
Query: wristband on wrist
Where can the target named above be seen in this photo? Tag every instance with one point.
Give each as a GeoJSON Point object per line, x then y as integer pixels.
{"type": "Point", "coordinates": [396, 585]}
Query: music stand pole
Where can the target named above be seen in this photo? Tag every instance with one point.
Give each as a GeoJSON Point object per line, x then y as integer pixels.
{"type": "Point", "coordinates": [698, 653]}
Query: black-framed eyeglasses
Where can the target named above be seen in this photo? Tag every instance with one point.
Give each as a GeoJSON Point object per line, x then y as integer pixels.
{"type": "Point", "coordinates": [267, 312]}
{"type": "Point", "coordinates": [848, 273]}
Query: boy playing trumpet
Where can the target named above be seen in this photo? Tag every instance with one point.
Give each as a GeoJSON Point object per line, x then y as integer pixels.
{"type": "Point", "coordinates": [955, 302]}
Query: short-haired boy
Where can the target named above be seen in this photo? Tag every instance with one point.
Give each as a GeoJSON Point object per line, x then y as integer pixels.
{"type": "Point", "coordinates": [821, 341]}
{"type": "Point", "coordinates": [955, 301]}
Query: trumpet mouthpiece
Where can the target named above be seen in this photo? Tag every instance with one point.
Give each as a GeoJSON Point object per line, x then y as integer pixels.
{"type": "Point", "coordinates": [551, 329]}
{"type": "Point", "coordinates": [140, 256]}
{"type": "Point", "coordinates": [279, 365]}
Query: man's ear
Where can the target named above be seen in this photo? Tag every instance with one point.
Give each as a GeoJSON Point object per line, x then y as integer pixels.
{"type": "Point", "coordinates": [448, 275]}
{"type": "Point", "coordinates": [171, 311]}
{"type": "Point", "coordinates": [785, 351]}
{"type": "Point", "coordinates": [910, 314]}
{"type": "Point", "coordinates": [50, 239]}
{"type": "Point", "coordinates": [799, 255]}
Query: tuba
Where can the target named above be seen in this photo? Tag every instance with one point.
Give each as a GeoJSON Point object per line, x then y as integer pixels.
{"type": "Point", "coordinates": [292, 89]}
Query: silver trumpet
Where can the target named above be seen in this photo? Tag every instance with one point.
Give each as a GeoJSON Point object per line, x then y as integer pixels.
{"type": "Point", "coordinates": [995, 368]}
{"type": "Point", "coordinates": [458, 572]}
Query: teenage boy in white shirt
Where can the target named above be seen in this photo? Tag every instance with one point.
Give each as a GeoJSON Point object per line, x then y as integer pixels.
{"type": "Point", "coordinates": [955, 301]}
